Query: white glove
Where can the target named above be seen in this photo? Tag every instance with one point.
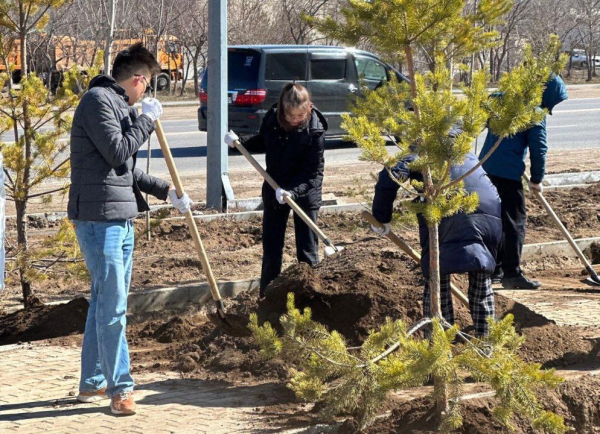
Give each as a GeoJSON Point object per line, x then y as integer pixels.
{"type": "Point", "coordinates": [382, 232]}
{"type": "Point", "coordinates": [281, 194]}
{"type": "Point", "coordinates": [183, 203]}
{"type": "Point", "coordinates": [537, 187]}
{"type": "Point", "coordinates": [230, 138]}
{"type": "Point", "coordinates": [152, 108]}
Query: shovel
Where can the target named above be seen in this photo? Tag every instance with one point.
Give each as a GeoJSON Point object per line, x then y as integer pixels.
{"type": "Point", "coordinates": [234, 325]}
{"type": "Point", "coordinates": [330, 248]}
{"type": "Point", "coordinates": [593, 279]}
{"type": "Point", "coordinates": [410, 252]}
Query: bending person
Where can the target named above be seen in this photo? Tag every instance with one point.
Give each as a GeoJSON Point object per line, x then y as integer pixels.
{"type": "Point", "coordinates": [468, 242]}
{"type": "Point", "coordinates": [293, 135]}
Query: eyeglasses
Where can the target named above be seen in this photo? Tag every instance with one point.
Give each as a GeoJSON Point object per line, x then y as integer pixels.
{"type": "Point", "coordinates": [145, 81]}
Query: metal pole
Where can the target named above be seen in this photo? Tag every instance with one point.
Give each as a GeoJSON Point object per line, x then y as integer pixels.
{"type": "Point", "coordinates": [217, 176]}
{"type": "Point", "coordinates": [109, 37]}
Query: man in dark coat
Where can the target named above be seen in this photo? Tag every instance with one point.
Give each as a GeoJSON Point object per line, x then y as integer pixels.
{"type": "Point", "coordinates": [468, 242]}
{"type": "Point", "coordinates": [104, 198]}
{"type": "Point", "coordinates": [506, 167]}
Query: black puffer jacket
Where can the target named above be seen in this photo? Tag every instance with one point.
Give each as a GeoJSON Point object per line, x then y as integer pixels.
{"type": "Point", "coordinates": [105, 138]}
{"type": "Point", "coordinates": [294, 159]}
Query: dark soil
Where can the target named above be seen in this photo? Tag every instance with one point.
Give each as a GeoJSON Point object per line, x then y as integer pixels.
{"type": "Point", "coordinates": [593, 253]}
{"type": "Point", "coordinates": [235, 250]}
{"type": "Point", "coordinates": [578, 209]}
{"type": "Point", "coordinates": [352, 293]}
{"type": "Point", "coordinates": [44, 322]}
{"type": "Point", "coordinates": [546, 342]}
{"type": "Point", "coordinates": [416, 416]}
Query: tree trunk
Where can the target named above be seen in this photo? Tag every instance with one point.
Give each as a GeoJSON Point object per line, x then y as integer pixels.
{"type": "Point", "coordinates": [440, 390]}
{"type": "Point", "coordinates": [109, 37]}
{"type": "Point", "coordinates": [434, 271]}
{"type": "Point", "coordinates": [196, 78]}
{"type": "Point", "coordinates": [23, 246]}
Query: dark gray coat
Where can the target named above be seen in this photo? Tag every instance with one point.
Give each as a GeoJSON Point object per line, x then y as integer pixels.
{"type": "Point", "coordinates": [105, 138]}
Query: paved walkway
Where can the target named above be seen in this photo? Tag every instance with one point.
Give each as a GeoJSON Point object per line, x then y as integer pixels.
{"type": "Point", "coordinates": [38, 387]}
{"type": "Point", "coordinates": [577, 308]}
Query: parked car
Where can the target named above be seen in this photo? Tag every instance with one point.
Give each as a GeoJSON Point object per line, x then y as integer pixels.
{"type": "Point", "coordinates": [580, 61]}
{"type": "Point", "coordinates": [257, 73]}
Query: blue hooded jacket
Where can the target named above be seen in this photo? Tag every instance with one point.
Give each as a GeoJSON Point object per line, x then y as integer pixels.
{"type": "Point", "coordinates": [468, 242]}
{"type": "Point", "coordinates": [508, 160]}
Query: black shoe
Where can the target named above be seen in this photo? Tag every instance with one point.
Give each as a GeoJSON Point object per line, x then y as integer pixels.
{"type": "Point", "coordinates": [497, 277]}
{"type": "Point", "coordinates": [520, 282]}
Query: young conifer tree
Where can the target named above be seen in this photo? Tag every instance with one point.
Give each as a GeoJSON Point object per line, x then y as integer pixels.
{"type": "Point", "coordinates": [419, 116]}
{"type": "Point", "coordinates": [37, 154]}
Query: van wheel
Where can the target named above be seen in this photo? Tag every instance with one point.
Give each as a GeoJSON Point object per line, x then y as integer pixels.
{"type": "Point", "coordinates": [163, 81]}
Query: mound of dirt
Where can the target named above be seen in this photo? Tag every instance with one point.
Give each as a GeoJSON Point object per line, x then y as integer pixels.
{"type": "Point", "coordinates": [352, 293]}
{"type": "Point", "coordinates": [416, 416]}
{"type": "Point", "coordinates": [546, 342]}
{"type": "Point", "coordinates": [593, 252]}
{"type": "Point", "coordinates": [176, 329]}
{"type": "Point", "coordinates": [44, 322]}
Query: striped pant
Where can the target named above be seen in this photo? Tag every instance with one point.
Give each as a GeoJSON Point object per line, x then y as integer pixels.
{"type": "Point", "coordinates": [481, 300]}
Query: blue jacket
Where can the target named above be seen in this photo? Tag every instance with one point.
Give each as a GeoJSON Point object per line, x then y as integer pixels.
{"type": "Point", "coordinates": [508, 160]}
{"type": "Point", "coordinates": [468, 242]}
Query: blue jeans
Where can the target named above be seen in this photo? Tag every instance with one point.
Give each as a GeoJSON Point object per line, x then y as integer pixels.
{"type": "Point", "coordinates": [107, 249]}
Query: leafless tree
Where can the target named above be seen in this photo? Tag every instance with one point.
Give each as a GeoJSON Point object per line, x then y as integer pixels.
{"type": "Point", "coordinates": [191, 29]}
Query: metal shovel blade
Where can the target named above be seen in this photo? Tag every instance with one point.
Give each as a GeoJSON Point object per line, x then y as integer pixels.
{"type": "Point", "coordinates": [232, 324]}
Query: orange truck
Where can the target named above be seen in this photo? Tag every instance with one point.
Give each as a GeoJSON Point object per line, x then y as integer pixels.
{"type": "Point", "coordinates": [67, 51]}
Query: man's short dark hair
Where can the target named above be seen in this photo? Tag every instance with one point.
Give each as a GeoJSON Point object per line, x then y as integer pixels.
{"type": "Point", "coordinates": [132, 61]}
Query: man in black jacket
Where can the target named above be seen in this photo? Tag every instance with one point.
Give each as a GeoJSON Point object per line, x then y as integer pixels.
{"type": "Point", "coordinates": [105, 197]}
{"type": "Point", "coordinates": [468, 242]}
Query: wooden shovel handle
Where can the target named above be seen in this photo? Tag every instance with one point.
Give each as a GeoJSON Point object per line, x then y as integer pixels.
{"type": "Point", "coordinates": [562, 228]}
{"type": "Point", "coordinates": [287, 199]}
{"type": "Point", "coordinates": [189, 218]}
{"type": "Point", "coordinates": [411, 252]}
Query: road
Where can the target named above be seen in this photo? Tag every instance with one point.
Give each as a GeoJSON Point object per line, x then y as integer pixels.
{"type": "Point", "coordinates": [573, 125]}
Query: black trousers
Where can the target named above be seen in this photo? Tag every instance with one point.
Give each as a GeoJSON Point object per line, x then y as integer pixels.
{"type": "Point", "coordinates": [275, 219]}
{"type": "Point", "coordinates": [514, 217]}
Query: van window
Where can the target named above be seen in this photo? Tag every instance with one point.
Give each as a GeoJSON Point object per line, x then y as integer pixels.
{"type": "Point", "coordinates": [286, 66]}
{"type": "Point", "coordinates": [327, 69]}
{"type": "Point", "coordinates": [370, 69]}
{"type": "Point", "coordinates": [242, 70]}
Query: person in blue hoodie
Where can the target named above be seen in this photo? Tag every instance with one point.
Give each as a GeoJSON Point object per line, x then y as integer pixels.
{"type": "Point", "coordinates": [468, 242]}
{"type": "Point", "coordinates": [505, 168]}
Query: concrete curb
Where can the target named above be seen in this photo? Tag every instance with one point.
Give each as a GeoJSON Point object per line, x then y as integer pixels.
{"type": "Point", "coordinates": [565, 187]}
{"type": "Point", "coordinates": [572, 178]}
{"type": "Point", "coordinates": [182, 297]}
{"type": "Point", "coordinates": [247, 215]}
{"type": "Point", "coordinates": [178, 298]}
{"type": "Point", "coordinates": [557, 248]}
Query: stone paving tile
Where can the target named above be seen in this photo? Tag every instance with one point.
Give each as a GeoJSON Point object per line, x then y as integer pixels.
{"type": "Point", "coordinates": [166, 403]}
{"type": "Point", "coordinates": [577, 308]}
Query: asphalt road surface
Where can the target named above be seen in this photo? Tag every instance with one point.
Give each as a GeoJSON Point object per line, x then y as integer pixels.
{"type": "Point", "coordinates": [574, 124]}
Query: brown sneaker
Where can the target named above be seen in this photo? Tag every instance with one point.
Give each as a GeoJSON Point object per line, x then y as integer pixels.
{"type": "Point", "coordinates": [94, 396]}
{"type": "Point", "coordinates": [123, 403]}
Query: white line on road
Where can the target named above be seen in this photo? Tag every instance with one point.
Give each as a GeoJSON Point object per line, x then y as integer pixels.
{"type": "Point", "coordinates": [576, 110]}
{"type": "Point", "coordinates": [561, 126]}
{"type": "Point", "coordinates": [183, 133]}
